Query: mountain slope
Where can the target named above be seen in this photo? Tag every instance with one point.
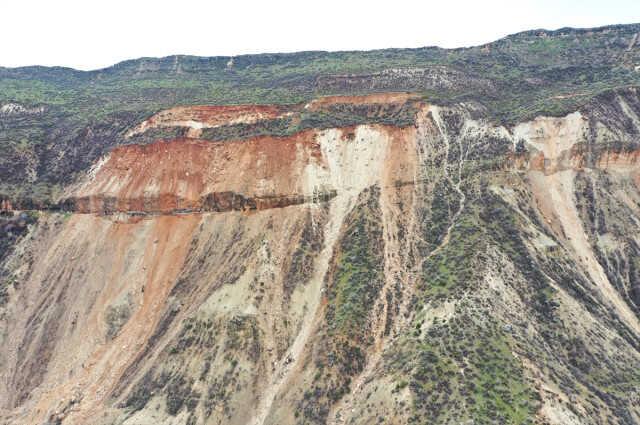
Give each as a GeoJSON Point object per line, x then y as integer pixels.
{"type": "Point", "coordinates": [381, 258]}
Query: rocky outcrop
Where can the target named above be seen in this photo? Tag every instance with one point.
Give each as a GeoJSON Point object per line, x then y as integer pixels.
{"type": "Point", "coordinates": [172, 205]}
{"type": "Point", "coordinates": [18, 109]}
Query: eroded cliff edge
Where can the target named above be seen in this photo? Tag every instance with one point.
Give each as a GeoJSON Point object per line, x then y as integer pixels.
{"type": "Point", "coordinates": [263, 265]}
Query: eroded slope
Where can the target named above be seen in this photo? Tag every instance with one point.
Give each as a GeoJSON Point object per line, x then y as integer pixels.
{"type": "Point", "coordinates": [435, 270]}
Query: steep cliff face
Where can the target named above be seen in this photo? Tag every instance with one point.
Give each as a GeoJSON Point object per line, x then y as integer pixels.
{"type": "Point", "coordinates": [415, 265]}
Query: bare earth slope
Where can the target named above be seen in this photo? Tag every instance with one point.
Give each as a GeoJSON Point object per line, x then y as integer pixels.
{"type": "Point", "coordinates": [439, 270]}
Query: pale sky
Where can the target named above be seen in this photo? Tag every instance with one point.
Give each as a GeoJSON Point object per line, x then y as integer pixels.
{"type": "Point", "coordinates": [95, 34]}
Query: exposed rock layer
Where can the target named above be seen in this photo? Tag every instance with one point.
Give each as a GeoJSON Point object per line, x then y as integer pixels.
{"type": "Point", "coordinates": [328, 275]}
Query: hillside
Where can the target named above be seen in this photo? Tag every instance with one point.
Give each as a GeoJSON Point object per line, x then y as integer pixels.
{"type": "Point", "coordinates": [396, 236]}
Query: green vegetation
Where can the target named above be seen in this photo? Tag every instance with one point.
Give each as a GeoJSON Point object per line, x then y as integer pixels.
{"type": "Point", "coordinates": [487, 221]}
{"type": "Point", "coordinates": [5, 284]}
{"type": "Point", "coordinates": [454, 267]}
{"type": "Point", "coordinates": [345, 115]}
{"type": "Point", "coordinates": [278, 128]}
{"type": "Point", "coordinates": [538, 61]}
{"type": "Point", "coordinates": [351, 293]}
{"type": "Point", "coordinates": [200, 342]}
{"type": "Point", "coordinates": [464, 369]}
{"type": "Point", "coordinates": [358, 274]}
{"type": "Point", "coordinates": [308, 246]}
{"type": "Point", "coordinates": [243, 336]}
{"type": "Point", "coordinates": [116, 317]}
{"type": "Point", "coordinates": [12, 228]}
{"type": "Point", "coordinates": [339, 115]}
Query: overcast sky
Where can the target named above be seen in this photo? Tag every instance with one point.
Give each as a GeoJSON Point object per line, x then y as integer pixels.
{"type": "Point", "coordinates": [95, 34]}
